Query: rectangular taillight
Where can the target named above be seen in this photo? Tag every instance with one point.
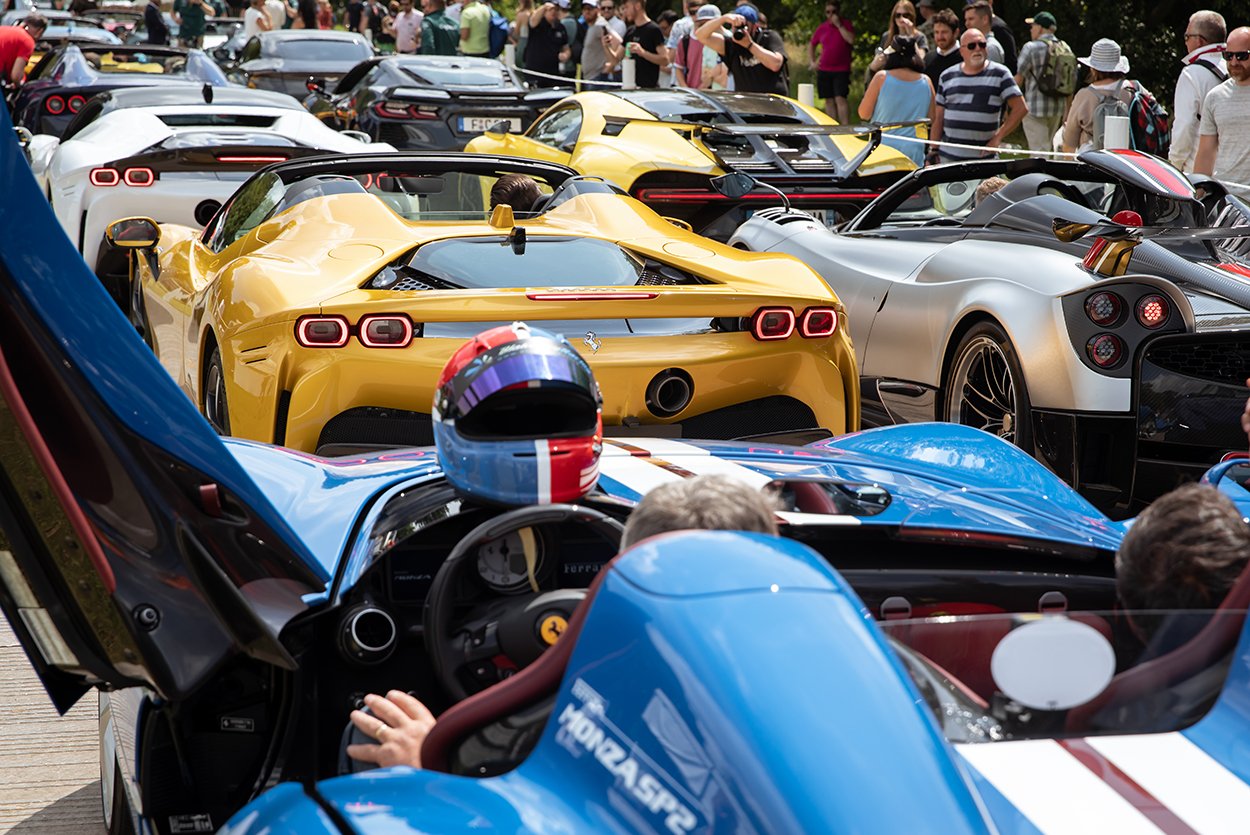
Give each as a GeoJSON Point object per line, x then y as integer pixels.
{"type": "Point", "coordinates": [818, 322]}
{"type": "Point", "coordinates": [322, 331]}
{"type": "Point", "coordinates": [769, 324]}
{"type": "Point", "coordinates": [384, 331]}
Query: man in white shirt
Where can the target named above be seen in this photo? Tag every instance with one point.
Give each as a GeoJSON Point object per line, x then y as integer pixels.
{"type": "Point", "coordinates": [1224, 131]}
{"type": "Point", "coordinates": [279, 11]}
{"type": "Point", "coordinates": [1204, 69]}
{"type": "Point", "coordinates": [255, 19]}
{"type": "Point", "coordinates": [405, 27]}
{"type": "Point", "coordinates": [607, 13]}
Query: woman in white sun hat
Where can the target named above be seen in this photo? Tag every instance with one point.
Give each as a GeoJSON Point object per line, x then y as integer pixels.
{"type": "Point", "coordinates": [1108, 94]}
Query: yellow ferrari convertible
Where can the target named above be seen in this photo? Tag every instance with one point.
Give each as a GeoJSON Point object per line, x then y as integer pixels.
{"type": "Point", "coordinates": [316, 309]}
{"type": "Point", "coordinates": [664, 147]}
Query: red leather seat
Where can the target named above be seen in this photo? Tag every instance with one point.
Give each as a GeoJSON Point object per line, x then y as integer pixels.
{"type": "Point", "coordinates": [964, 648]}
{"type": "Point", "coordinates": [1218, 638]}
{"type": "Point", "coordinates": [512, 695]}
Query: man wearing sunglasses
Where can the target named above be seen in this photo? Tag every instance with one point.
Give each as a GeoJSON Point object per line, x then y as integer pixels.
{"type": "Point", "coordinates": [1224, 130]}
{"type": "Point", "coordinates": [1203, 69]}
{"type": "Point", "coordinates": [970, 101]}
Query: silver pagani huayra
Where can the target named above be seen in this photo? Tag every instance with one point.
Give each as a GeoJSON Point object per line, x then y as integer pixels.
{"type": "Point", "coordinates": [1096, 312]}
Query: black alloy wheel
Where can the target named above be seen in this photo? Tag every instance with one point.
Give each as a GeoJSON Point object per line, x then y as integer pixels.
{"type": "Point", "coordinates": [215, 407]}
{"type": "Point", "coordinates": [985, 386]}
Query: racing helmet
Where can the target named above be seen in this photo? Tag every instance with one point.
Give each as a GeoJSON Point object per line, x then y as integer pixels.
{"type": "Point", "coordinates": [517, 418]}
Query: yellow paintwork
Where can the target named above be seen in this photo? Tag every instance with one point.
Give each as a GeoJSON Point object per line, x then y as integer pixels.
{"type": "Point", "coordinates": [315, 256]}
{"type": "Point", "coordinates": [641, 147]}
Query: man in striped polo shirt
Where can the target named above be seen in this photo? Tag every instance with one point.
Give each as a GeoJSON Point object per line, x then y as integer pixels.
{"type": "Point", "coordinates": [970, 101]}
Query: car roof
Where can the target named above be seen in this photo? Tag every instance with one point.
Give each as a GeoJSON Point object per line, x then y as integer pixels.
{"type": "Point", "coordinates": [310, 35]}
{"type": "Point", "coordinates": [193, 93]}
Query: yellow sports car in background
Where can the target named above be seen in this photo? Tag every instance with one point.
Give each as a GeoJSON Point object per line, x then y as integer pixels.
{"type": "Point", "coordinates": [664, 146]}
{"type": "Point", "coordinates": [317, 308]}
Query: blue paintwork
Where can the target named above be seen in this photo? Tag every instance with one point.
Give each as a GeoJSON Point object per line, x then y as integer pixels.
{"type": "Point", "coordinates": [75, 308]}
{"type": "Point", "coordinates": [284, 808]}
{"type": "Point", "coordinates": [729, 757]}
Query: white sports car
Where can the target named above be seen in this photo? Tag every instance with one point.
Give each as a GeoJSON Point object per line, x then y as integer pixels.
{"type": "Point", "coordinates": [173, 153]}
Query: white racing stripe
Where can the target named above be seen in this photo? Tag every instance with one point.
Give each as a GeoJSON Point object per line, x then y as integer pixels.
{"type": "Point", "coordinates": [1054, 790]}
{"type": "Point", "coordinates": [1183, 777]}
{"type": "Point", "coordinates": [631, 471]}
{"type": "Point", "coordinates": [795, 518]}
{"type": "Point", "coordinates": [698, 461]}
{"type": "Point", "coordinates": [543, 453]}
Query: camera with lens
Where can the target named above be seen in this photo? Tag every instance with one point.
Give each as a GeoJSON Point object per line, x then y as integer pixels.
{"type": "Point", "coordinates": [739, 32]}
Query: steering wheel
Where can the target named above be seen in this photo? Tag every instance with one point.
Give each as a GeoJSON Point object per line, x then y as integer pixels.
{"type": "Point", "coordinates": [517, 628]}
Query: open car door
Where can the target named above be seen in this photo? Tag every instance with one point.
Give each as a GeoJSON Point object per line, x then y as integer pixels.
{"type": "Point", "coordinates": [134, 550]}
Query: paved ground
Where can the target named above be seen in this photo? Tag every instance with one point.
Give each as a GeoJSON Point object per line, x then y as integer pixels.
{"type": "Point", "coordinates": [49, 765]}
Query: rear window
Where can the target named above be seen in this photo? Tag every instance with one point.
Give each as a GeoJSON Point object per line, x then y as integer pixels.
{"type": "Point", "coordinates": [459, 75]}
{"type": "Point", "coordinates": [494, 262]}
{"type": "Point", "coordinates": [312, 50]}
{"type": "Point", "coordinates": [134, 62]}
{"type": "Point", "coordinates": [213, 120]}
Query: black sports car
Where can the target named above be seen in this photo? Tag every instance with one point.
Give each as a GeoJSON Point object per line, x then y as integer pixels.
{"type": "Point", "coordinates": [429, 102]}
{"type": "Point", "coordinates": [61, 83]}
{"type": "Point", "coordinates": [284, 60]}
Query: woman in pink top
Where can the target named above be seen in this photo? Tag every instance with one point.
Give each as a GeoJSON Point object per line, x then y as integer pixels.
{"type": "Point", "coordinates": [834, 36]}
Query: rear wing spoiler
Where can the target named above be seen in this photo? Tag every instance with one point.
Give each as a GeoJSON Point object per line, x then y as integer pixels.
{"type": "Point", "coordinates": [871, 133]}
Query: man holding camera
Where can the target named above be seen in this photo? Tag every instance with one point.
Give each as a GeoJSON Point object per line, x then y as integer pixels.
{"type": "Point", "coordinates": [755, 56]}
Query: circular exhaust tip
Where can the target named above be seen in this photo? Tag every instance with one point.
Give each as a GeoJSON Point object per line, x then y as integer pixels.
{"type": "Point", "coordinates": [205, 210]}
{"type": "Point", "coordinates": [669, 392]}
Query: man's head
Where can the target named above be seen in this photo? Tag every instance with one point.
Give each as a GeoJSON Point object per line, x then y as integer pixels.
{"type": "Point", "coordinates": [1185, 551]}
{"type": "Point", "coordinates": [987, 187]}
{"type": "Point", "coordinates": [691, 7]}
{"type": "Point", "coordinates": [633, 11]}
{"type": "Point", "coordinates": [1205, 27]}
{"type": "Point", "coordinates": [1237, 55]}
{"type": "Point", "coordinates": [562, 7]}
{"type": "Point", "coordinates": [405, 6]}
{"type": "Point", "coordinates": [515, 190]}
{"type": "Point", "coordinates": [945, 29]}
{"type": "Point", "coordinates": [979, 15]}
{"type": "Point", "coordinates": [1042, 23]}
{"type": "Point", "coordinates": [926, 9]}
{"type": "Point", "coordinates": [590, 12]}
{"type": "Point", "coordinates": [972, 46]}
{"type": "Point", "coordinates": [665, 21]}
{"type": "Point", "coordinates": [751, 15]}
{"type": "Point", "coordinates": [607, 8]}
{"type": "Point", "coordinates": [706, 502]}
{"type": "Point", "coordinates": [832, 10]}
{"type": "Point", "coordinates": [35, 24]}
{"type": "Point", "coordinates": [432, 6]}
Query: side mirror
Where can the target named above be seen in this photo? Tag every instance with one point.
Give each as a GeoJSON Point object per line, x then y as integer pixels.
{"type": "Point", "coordinates": [316, 85]}
{"type": "Point", "coordinates": [133, 233]}
{"type": "Point", "coordinates": [503, 126]}
{"type": "Point", "coordinates": [735, 184]}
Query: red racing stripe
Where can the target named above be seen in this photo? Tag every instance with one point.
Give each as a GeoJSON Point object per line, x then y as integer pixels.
{"type": "Point", "coordinates": [1162, 174]}
{"type": "Point", "coordinates": [1125, 786]}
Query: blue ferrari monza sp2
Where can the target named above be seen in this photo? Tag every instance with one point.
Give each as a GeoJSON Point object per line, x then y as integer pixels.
{"type": "Point", "coordinates": [931, 645]}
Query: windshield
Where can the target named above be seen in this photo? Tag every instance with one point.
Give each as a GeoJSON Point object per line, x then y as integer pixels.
{"type": "Point", "coordinates": [313, 50]}
{"type": "Point", "coordinates": [990, 678]}
{"type": "Point", "coordinates": [546, 261]}
{"type": "Point", "coordinates": [486, 76]}
{"type": "Point", "coordinates": [956, 200]}
{"type": "Point", "coordinates": [110, 62]}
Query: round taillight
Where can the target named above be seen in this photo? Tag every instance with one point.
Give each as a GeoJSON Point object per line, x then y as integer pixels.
{"type": "Point", "coordinates": [75, 103]}
{"type": "Point", "coordinates": [1153, 310]}
{"type": "Point", "coordinates": [321, 331]}
{"type": "Point", "coordinates": [1105, 350]}
{"type": "Point", "coordinates": [55, 105]}
{"type": "Point", "coordinates": [1104, 308]}
{"type": "Point", "coordinates": [385, 331]}
{"type": "Point", "coordinates": [771, 323]}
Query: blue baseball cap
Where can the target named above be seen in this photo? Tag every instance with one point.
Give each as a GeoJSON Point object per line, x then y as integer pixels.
{"type": "Point", "coordinates": [748, 13]}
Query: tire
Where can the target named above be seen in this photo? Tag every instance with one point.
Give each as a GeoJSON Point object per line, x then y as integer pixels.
{"type": "Point", "coordinates": [985, 387]}
{"type": "Point", "coordinates": [118, 820]}
{"type": "Point", "coordinates": [216, 408]}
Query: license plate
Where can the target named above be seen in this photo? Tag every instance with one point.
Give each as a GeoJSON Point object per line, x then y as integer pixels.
{"type": "Point", "coordinates": [827, 217]}
{"type": "Point", "coordinates": [481, 124]}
